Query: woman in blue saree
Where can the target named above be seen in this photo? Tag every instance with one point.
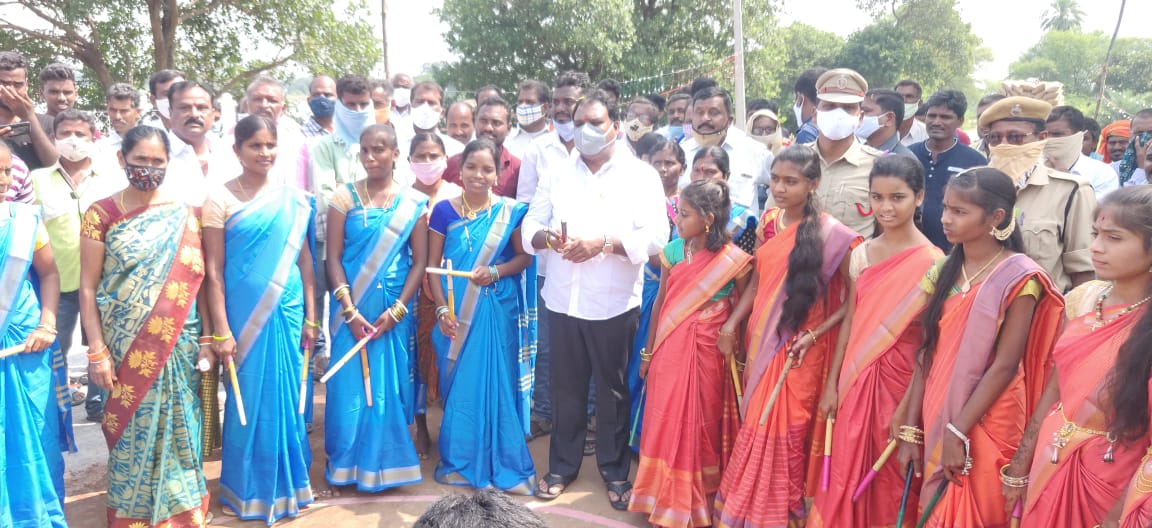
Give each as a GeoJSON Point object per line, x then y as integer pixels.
{"type": "Point", "coordinates": [141, 267]}
{"type": "Point", "coordinates": [713, 162]}
{"type": "Point", "coordinates": [485, 348]}
{"type": "Point", "coordinates": [31, 467]}
{"type": "Point", "coordinates": [667, 158]}
{"type": "Point", "coordinates": [260, 281]}
{"type": "Point", "coordinates": [377, 236]}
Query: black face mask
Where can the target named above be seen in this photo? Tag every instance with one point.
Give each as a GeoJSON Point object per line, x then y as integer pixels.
{"type": "Point", "coordinates": [144, 178]}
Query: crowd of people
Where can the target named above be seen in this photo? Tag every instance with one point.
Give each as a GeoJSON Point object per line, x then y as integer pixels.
{"type": "Point", "coordinates": [873, 320]}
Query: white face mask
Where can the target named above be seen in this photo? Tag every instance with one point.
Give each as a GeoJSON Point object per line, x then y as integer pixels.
{"type": "Point", "coordinates": [425, 117]}
{"type": "Point", "coordinates": [74, 148]}
{"type": "Point", "coordinates": [798, 110]}
{"type": "Point", "coordinates": [164, 107]}
{"type": "Point", "coordinates": [868, 126]}
{"type": "Point", "coordinates": [910, 110]}
{"type": "Point", "coordinates": [565, 130]}
{"type": "Point", "coordinates": [590, 140]}
{"type": "Point", "coordinates": [402, 97]}
{"type": "Point", "coordinates": [836, 124]}
{"type": "Point", "coordinates": [1063, 152]}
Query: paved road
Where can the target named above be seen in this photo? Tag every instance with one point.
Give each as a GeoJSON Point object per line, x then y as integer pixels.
{"type": "Point", "coordinates": [583, 506]}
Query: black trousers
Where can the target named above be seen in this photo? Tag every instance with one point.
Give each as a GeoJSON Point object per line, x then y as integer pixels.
{"type": "Point", "coordinates": [583, 350]}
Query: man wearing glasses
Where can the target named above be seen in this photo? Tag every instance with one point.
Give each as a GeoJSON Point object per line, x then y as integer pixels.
{"type": "Point", "coordinates": [1054, 208]}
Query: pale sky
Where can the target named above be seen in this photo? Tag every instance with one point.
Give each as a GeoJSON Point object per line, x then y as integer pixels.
{"type": "Point", "coordinates": [1007, 27]}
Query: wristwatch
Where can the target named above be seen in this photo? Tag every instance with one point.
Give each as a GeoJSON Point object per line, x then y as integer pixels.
{"type": "Point", "coordinates": [607, 245]}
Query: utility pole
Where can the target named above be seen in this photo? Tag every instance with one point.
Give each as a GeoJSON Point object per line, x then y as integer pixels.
{"type": "Point", "coordinates": [384, 36]}
{"type": "Point", "coordinates": [1108, 57]}
{"type": "Point", "coordinates": [738, 28]}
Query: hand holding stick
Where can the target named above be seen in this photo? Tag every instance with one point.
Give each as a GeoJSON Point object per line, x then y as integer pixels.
{"type": "Point", "coordinates": [449, 272]}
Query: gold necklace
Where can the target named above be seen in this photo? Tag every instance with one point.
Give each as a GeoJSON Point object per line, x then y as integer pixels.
{"type": "Point", "coordinates": [366, 198]}
{"type": "Point", "coordinates": [1100, 322]}
{"type": "Point", "coordinates": [471, 213]}
{"type": "Point", "coordinates": [247, 197]}
{"type": "Point", "coordinates": [967, 285]}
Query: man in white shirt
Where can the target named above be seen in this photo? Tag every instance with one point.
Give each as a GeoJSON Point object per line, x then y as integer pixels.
{"type": "Point", "coordinates": [426, 114]}
{"type": "Point", "coordinates": [545, 156]}
{"type": "Point", "coordinates": [266, 98]}
{"type": "Point", "coordinates": [533, 104]}
{"type": "Point", "coordinates": [595, 220]}
{"type": "Point", "coordinates": [158, 84]}
{"type": "Point", "coordinates": [122, 101]}
{"type": "Point", "coordinates": [912, 130]}
{"type": "Point", "coordinates": [1066, 128]}
{"type": "Point", "coordinates": [197, 158]}
{"type": "Point", "coordinates": [460, 121]}
{"type": "Point", "coordinates": [711, 116]}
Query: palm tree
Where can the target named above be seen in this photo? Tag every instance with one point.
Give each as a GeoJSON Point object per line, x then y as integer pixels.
{"type": "Point", "coordinates": [1062, 15]}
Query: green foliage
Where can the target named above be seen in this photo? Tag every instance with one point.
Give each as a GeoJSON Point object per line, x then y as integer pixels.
{"type": "Point", "coordinates": [925, 40]}
{"type": "Point", "coordinates": [1074, 59]}
{"type": "Point", "coordinates": [221, 42]}
{"type": "Point", "coordinates": [504, 42]}
{"type": "Point", "coordinates": [1062, 15]}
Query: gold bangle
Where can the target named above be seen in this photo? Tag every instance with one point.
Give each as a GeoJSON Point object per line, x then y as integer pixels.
{"type": "Point", "coordinates": [645, 355]}
{"type": "Point", "coordinates": [46, 328]}
{"type": "Point", "coordinates": [350, 309]}
{"type": "Point", "coordinates": [313, 324]}
{"type": "Point", "coordinates": [1010, 481]}
{"type": "Point", "coordinates": [340, 292]}
{"type": "Point", "coordinates": [220, 339]}
{"type": "Point", "coordinates": [811, 334]}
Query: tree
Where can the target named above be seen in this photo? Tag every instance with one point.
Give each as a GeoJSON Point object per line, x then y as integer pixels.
{"type": "Point", "coordinates": [1062, 15]}
{"type": "Point", "coordinates": [1074, 59]}
{"type": "Point", "coordinates": [925, 40]}
{"type": "Point", "coordinates": [222, 42]}
{"type": "Point", "coordinates": [622, 39]}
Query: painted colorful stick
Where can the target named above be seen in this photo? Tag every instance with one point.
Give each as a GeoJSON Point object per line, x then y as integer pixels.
{"type": "Point", "coordinates": [827, 454]}
{"type": "Point", "coordinates": [563, 232]}
{"type": "Point", "coordinates": [932, 504]}
{"type": "Point", "coordinates": [739, 389]}
{"type": "Point", "coordinates": [347, 357]}
{"type": "Point", "coordinates": [236, 389]}
{"type": "Point", "coordinates": [367, 375]}
{"type": "Point", "coordinates": [449, 272]}
{"type": "Point", "coordinates": [1017, 513]}
{"type": "Point", "coordinates": [904, 500]}
{"type": "Point", "coordinates": [12, 350]}
{"type": "Point", "coordinates": [776, 391]}
{"type": "Point", "coordinates": [876, 469]}
{"type": "Point", "coordinates": [636, 417]}
{"type": "Point", "coordinates": [451, 293]}
{"type": "Point", "coordinates": [304, 380]}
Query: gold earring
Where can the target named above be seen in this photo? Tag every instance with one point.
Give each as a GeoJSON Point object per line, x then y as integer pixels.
{"type": "Point", "coordinates": [1003, 234]}
{"type": "Point", "coordinates": [707, 228]}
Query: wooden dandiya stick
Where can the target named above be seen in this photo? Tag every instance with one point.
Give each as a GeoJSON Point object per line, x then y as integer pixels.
{"type": "Point", "coordinates": [347, 357]}
{"type": "Point", "coordinates": [1017, 513]}
{"type": "Point", "coordinates": [932, 503]}
{"type": "Point", "coordinates": [904, 499]}
{"type": "Point", "coordinates": [827, 454]}
{"type": "Point", "coordinates": [367, 375]}
{"type": "Point", "coordinates": [449, 272]}
{"type": "Point", "coordinates": [236, 389]}
{"type": "Point", "coordinates": [636, 416]}
{"type": "Point", "coordinates": [739, 389]}
{"type": "Point", "coordinates": [892, 445]}
{"type": "Point", "coordinates": [776, 391]}
{"type": "Point", "coordinates": [451, 292]}
{"type": "Point", "coordinates": [12, 350]}
{"type": "Point", "coordinates": [304, 379]}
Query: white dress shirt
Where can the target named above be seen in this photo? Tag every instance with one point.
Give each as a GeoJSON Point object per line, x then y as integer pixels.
{"type": "Point", "coordinates": [1104, 180]}
{"type": "Point", "coordinates": [624, 200]}
{"type": "Point", "coordinates": [749, 162]}
{"type": "Point", "coordinates": [916, 134]}
{"type": "Point", "coordinates": [520, 141]}
{"type": "Point", "coordinates": [543, 156]}
{"type": "Point", "coordinates": [184, 179]}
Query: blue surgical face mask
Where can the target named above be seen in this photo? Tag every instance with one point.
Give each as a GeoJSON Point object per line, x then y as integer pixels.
{"type": "Point", "coordinates": [675, 131]}
{"type": "Point", "coordinates": [322, 107]}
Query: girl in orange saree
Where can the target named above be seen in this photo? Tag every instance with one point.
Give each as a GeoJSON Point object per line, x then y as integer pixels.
{"type": "Point", "coordinates": [990, 325]}
{"type": "Point", "coordinates": [876, 352]}
{"type": "Point", "coordinates": [680, 452]}
{"type": "Point", "coordinates": [794, 298]}
{"type": "Point", "coordinates": [1077, 458]}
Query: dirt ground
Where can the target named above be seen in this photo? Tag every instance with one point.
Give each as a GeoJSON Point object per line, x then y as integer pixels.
{"type": "Point", "coordinates": [582, 506]}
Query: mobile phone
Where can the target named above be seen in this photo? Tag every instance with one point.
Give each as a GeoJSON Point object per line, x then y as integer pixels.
{"type": "Point", "coordinates": [17, 128]}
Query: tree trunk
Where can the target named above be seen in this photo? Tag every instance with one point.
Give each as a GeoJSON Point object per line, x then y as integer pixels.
{"type": "Point", "coordinates": [1108, 57]}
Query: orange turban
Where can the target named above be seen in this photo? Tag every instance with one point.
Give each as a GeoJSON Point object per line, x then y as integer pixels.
{"type": "Point", "coordinates": [1116, 128]}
